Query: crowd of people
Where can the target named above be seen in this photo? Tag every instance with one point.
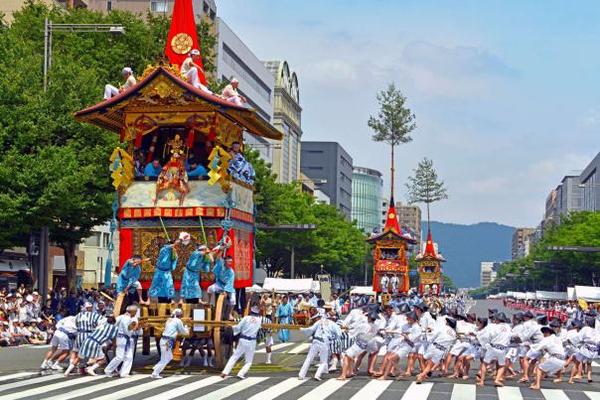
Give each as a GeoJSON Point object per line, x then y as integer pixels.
{"type": "Point", "coordinates": [25, 318]}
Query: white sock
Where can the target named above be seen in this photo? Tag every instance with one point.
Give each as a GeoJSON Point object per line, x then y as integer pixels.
{"type": "Point", "coordinates": [269, 357]}
{"type": "Point", "coordinates": [69, 368]}
{"type": "Point", "coordinates": [94, 366]}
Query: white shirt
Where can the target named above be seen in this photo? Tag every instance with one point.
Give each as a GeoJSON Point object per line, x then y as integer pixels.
{"type": "Point", "coordinates": [68, 324]}
{"type": "Point", "coordinates": [122, 324]}
{"type": "Point", "coordinates": [248, 326]}
{"type": "Point", "coordinates": [444, 336]}
{"type": "Point", "coordinates": [551, 344]}
{"type": "Point", "coordinates": [129, 82]}
{"type": "Point", "coordinates": [175, 326]}
{"type": "Point", "coordinates": [187, 64]}
{"type": "Point", "coordinates": [531, 332]}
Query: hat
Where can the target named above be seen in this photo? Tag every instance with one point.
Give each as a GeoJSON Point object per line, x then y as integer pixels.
{"type": "Point", "coordinates": [412, 315]}
{"type": "Point", "coordinates": [547, 329]}
{"type": "Point", "coordinates": [35, 293]}
{"type": "Point", "coordinates": [233, 80]}
{"type": "Point", "coordinates": [542, 319]}
{"type": "Point", "coordinates": [451, 322]}
{"type": "Point", "coordinates": [127, 70]}
{"type": "Point", "coordinates": [29, 298]}
{"type": "Point", "coordinates": [255, 310]}
{"type": "Point", "coordinates": [555, 323]}
{"type": "Point", "coordinates": [492, 310]}
{"type": "Point", "coordinates": [177, 312]}
{"type": "Point", "coordinates": [528, 314]}
{"type": "Point", "coordinates": [132, 307]}
{"type": "Point", "coordinates": [88, 305]}
{"type": "Point", "coordinates": [404, 308]}
{"type": "Point", "coordinates": [421, 306]}
{"type": "Point", "coordinates": [202, 247]}
{"type": "Point", "coordinates": [577, 324]}
{"type": "Point", "coordinates": [194, 52]}
{"type": "Point", "coordinates": [184, 237]}
{"type": "Point", "coordinates": [373, 315]}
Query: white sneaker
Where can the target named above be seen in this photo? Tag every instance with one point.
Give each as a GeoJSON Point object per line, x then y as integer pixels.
{"type": "Point", "coordinates": [90, 371]}
{"type": "Point", "coordinates": [56, 367]}
{"type": "Point", "coordinates": [44, 365]}
{"type": "Point", "coordinates": [317, 378]}
{"type": "Point", "coordinates": [268, 362]}
{"type": "Point", "coordinates": [332, 369]}
{"type": "Point", "coordinates": [153, 376]}
{"type": "Point", "coordinates": [240, 376]}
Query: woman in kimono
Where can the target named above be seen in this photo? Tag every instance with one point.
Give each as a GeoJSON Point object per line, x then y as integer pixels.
{"type": "Point", "coordinates": [284, 315]}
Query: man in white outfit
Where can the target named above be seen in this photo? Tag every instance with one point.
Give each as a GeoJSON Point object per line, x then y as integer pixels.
{"type": "Point", "coordinates": [111, 91]}
{"type": "Point", "coordinates": [61, 343]}
{"type": "Point", "coordinates": [320, 332]}
{"type": "Point", "coordinates": [173, 327]}
{"type": "Point", "coordinates": [554, 359]}
{"type": "Point", "coordinates": [127, 326]}
{"type": "Point", "coordinates": [247, 329]}
{"type": "Point", "coordinates": [190, 69]}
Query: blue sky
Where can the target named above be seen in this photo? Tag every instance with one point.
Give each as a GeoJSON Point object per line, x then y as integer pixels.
{"type": "Point", "coordinates": [506, 93]}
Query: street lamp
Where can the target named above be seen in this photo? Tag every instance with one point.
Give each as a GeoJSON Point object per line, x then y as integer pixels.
{"type": "Point", "coordinates": [49, 28]}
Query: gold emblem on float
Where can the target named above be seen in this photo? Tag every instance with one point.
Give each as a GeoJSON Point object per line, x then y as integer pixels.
{"type": "Point", "coordinates": [182, 43]}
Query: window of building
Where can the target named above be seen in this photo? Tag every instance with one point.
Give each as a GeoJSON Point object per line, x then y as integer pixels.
{"type": "Point", "coordinates": [314, 151]}
{"type": "Point", "coordinates": [108, 5]}
{"type": "Point", "coordinates": [316, 168]}
{"type": "Point", "coordinates": [94, 240]}
{"type": "Point", "coordinates": [205, 8]}
{"type": "Point", "coordinates": [159, 6]}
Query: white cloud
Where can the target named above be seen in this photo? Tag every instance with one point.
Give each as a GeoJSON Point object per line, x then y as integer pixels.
{"type": "Point", "coordinates": [334, 72]}
{"type": "Point", "coordinates": [488, 186]}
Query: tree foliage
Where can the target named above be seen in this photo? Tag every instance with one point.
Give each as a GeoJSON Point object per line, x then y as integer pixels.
{"type": "Point", "coordinates": [336, 244]}
{"type": "Point", "coordinates": [425, 186]}
{"type": "Point", "coordinates": [394, 121]}
{"type": "Point", "coordinates": [544, 269]}
{"type": "Point", "coordinates": [54, 170]}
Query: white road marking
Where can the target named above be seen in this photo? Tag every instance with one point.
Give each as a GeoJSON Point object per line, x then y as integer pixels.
{"type": "Point", "coordinates": [277, 390]}
{"type": "Point", "coordinates": [124, 393]}
{"type": "Point", "coordinates": [300, 348]}
{"type": "Point", "coordinates": [371, 390]}
{"type": "Point", "coordinates": [48, 388]}
{"type": "Point", "coordinates": [185, 389]}
{"type": "Point", "coordinates": [17, 375]}
{"type": "Point", "coordinates": [41, 379]}
{"type": "Point", "coordinates": [275, 347]}
{"type": "Point", "coordinates": [324, 390]}
{"type": "Point", "coordinates": [554, 394]}
{"type": "Point", "coordinates": [593, 395]}
{"type": "Point", "coordinates": [108, 384]}
{"type": "Point", "coordinates": [509, 393]}
{"type": "Point", "coordinates": [230, 390]}
{"type": "Point", "coordinates": [415, 391]}
{"type": "Point", "coordinates": [463, 392]}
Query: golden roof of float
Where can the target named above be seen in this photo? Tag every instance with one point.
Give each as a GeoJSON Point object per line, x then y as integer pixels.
{"type": "Point", "coordinates": [160, 90]}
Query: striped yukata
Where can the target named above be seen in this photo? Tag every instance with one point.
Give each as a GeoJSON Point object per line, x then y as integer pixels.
{"type": "Point", "coordinates": [92, 346]}
{"type": "Point", "coordinates": [340, 344]}
{"type": "Point", "coordinates": [86, 322]}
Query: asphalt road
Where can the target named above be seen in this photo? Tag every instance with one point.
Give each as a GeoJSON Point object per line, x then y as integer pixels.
{"type": "Point", "coordinates": [20, 379]}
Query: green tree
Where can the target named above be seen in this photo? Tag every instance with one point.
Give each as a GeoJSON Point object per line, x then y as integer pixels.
{"type": "Point", "coordinates": [54, 170]}
{"type": "Point", "coordinates": [393, 124]}
{"type": "Point", "coordinates": [424, 186]}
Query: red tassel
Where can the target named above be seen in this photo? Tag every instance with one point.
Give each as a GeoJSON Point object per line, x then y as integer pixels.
{"type": "Point", "coordinates": [191, 137]}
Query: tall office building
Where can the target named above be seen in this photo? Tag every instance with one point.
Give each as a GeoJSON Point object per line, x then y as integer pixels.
{"type": "Point", "coordinates": [236, 60]}
{"type": "Point", "coordinates": [589, 183]}
{"type": "Point", "coordinates": [287, 117]}
{"type": "Point", "coordinates": [488, 272]}
{"type": "Point", "coordinates": [521, 242]}
{"type": "Point", "coordinates": [367, 187]}
{"type": "Point", "coordinates": [8, 7]}
{"type": "Point", "coordinates": [330, 167]}
{"type": "Point", "coordinates": [566, 197]}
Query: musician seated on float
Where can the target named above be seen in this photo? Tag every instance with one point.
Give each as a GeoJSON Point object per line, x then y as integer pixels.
{"type": "Point", "coordinates": [152, 169]}
{"type": "Point", "coordinates": [110, 91]}
{"type": "Point", "coordinates": [196, 170]}
{"type": "Point", "coordinates": [190, 68]}
{"type": "Point", "coordinates": [230, 93]}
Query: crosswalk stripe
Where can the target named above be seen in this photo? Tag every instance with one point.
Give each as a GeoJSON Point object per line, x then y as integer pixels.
{"type": "Point", "coordinates": [48, 388]}
{"type": "Point", "coordinates": [595, 364]}
{"type": "Point", "coordinates": [371, 390]}
{"type": "Point", "coordinates": [461, 391]}
{"type": "Point", "coordinates": [509, 393]}
{"type": "Point", "coordinates": [324, 390]}
{"type": "Point", "coordinates": [299, 349]}
{"type": "Point", "coordinates": [16, 376]}
{"type": "Point", "coordinates": [105, 384]}
{"type": "Point", "coordinates": [124, 393]}
{"type": "Point", "coordinates": [182, 390]}
{"type": "Point", "coordinates": [415, 391]}
{"type": "Point", "coordinates": [230, 390]}
{"type": "Point", "coordinates": [278, 346]}
{"type": "Point", "coordinates": [554, 394]}
{"type": "Point", "coordinates": [40, 379]}
{"type": "Point", "coordinates": [277, 390]}
{"type": "Point", "coordinates": [593, 395]}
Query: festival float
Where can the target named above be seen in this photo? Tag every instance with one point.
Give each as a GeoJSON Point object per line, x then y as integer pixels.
{"type": "Point", "coordinates": [163, 117]}
{"type": "Point", "coordinates": [430, 269]}
{"type": "Point", "coordinates": [390, 267]}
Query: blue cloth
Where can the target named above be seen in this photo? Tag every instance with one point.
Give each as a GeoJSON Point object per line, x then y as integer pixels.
{"type": "Point", "coordinates": [284, 315]}
{"type": "Point", "coordinates": [128, 276]}
{"type": "Point", "coordinates": [190, 281]}
{"type": "Point", "coordinates": [240, 169]}
{"type": "Point", "coordinates": [224, 276]}
{"type": "Point", "coordinates": [162, 282]}
{"type": "Point", "coordinates": [150, 171]}
{"type": "Point", "coordinates": [198, 171]}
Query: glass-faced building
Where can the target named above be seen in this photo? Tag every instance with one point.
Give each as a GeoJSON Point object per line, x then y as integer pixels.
{"type": "Point", "coordinates": [367, 188]}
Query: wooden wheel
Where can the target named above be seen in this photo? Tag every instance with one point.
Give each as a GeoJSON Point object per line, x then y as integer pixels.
{"type": "Point", "coordinates": [222, 336]}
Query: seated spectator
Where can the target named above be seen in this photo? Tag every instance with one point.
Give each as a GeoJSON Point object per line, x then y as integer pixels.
{"type": "Point", "coordinates": [152, 170]}
{"type": "Point", "coordinates": [5, 336]}
{"type": "Point", "coordinates": [230, 93]}
{"type": "Point", "coordinates": [37, 336]}
{"type": "Point", "coordinates": [196, 169]}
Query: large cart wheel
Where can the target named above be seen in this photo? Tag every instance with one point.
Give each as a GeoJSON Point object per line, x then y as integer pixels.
{"type": "Point", "coordinates": [222, 335]}
{"type": "Point", "coordinates": [120, 304]}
